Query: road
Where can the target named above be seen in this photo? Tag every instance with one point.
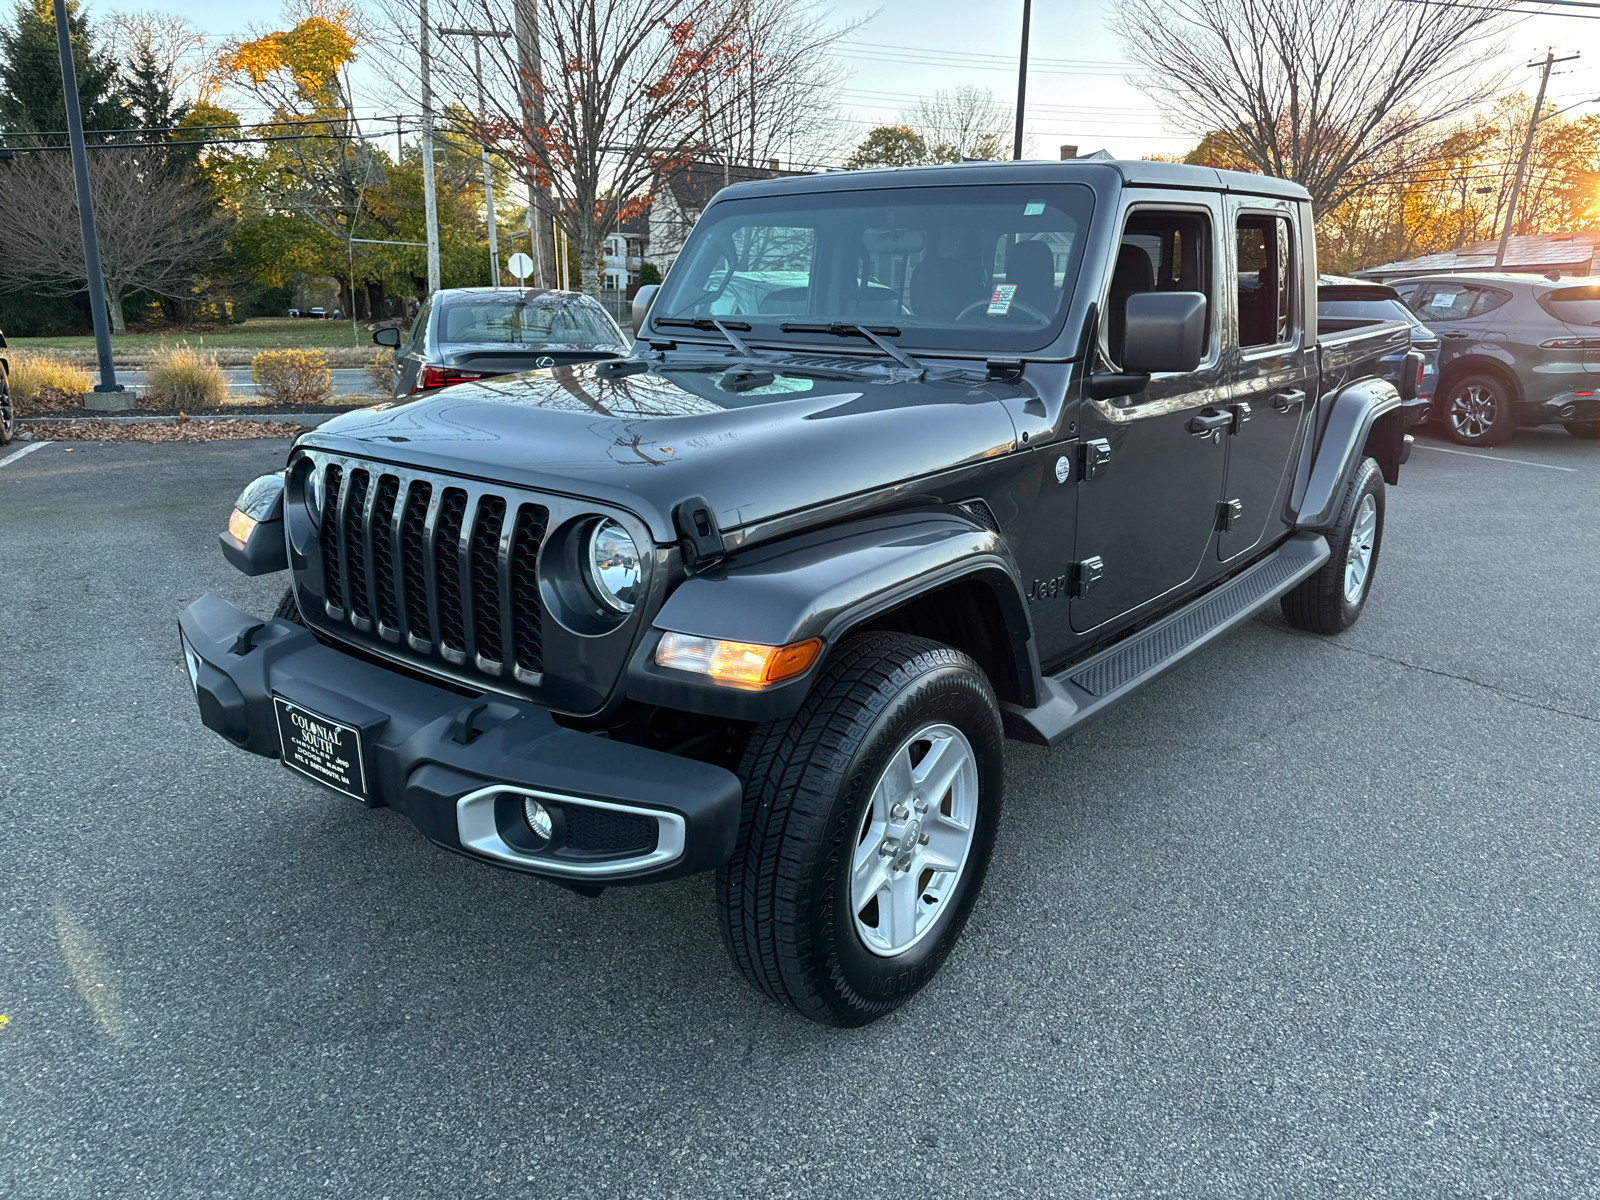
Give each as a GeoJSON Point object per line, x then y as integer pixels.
{"type": "Point", "coordinates": [1310, 917]}
{"type": "Point", "coordinates": [346, 381]}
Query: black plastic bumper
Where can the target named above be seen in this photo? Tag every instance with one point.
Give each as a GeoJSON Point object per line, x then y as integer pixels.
{"type": "Point", "coordinates": [1416, 411]}
{"type": "Point", "coordinates": [424, 748]}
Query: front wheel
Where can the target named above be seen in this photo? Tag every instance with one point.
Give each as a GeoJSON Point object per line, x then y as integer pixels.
{"type": "Point", "coordinates": [868, 821]}
{"type": "Point", "coordinates": [8, 414]}
{"type": "Point", "coordinates": [1331, 600]}
{"type": "Point", "coordinates": [1477, 411]}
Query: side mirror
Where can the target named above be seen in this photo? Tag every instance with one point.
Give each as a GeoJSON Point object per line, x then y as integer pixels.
{"type": "Point", "coordinates": [642, 300]}
{"type": "Point", "coordinates": [1165, 331]}
{"type": "Point", "coordinates": [388, 336]}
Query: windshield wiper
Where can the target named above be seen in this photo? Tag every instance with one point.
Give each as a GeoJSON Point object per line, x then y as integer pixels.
{"type": "Point", "coordinates": [711, 324]}
{"type": "Point", "coordinates": [851, 329]}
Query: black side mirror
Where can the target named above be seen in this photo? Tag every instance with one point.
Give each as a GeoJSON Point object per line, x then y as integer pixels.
{"type": "Point", "coordinates": [389, 336]}
{"type": "Point", "coordinates": [1165, 331]}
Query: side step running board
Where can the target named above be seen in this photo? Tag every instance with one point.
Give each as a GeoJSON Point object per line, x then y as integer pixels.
{"type": "Point", "coordinates": [1088, 690]}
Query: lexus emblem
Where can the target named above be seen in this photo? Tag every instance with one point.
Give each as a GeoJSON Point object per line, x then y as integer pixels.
{"type": "Point", "coordinates": [1063, 469]}
{"type": "Point", "coordinates": [544, 360]}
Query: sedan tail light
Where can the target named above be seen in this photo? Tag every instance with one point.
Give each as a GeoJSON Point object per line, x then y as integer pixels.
{"type": "Point", "coordinates": [436, 377]}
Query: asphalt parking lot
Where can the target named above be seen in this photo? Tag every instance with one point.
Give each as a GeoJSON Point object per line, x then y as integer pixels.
{"type": "Point", "coordinates": [1309, 917]}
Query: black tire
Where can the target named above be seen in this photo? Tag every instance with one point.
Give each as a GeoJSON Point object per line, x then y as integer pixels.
{"type": "Point", "coordinates": [783, 901]}
{"type": "Point", "coordinates": [1475, 410]}
{"type": "Point", "coordinates": [1320, 603]}
{"type": "Point", "coordinates": [8, 415]}
{"type": "Point", "coordinates": [288, 608]}
{"type": "Point", "coordinates": [1589, 431]}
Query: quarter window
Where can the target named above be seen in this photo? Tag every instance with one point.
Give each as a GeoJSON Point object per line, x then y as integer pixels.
{"type": "Point", "coordinates": [1266, 282]}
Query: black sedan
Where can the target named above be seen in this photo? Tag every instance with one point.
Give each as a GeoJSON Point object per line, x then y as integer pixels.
{"type": "Point", "coordinates": [463, 334]}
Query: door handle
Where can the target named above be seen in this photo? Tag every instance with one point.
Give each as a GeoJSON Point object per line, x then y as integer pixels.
{"type": "Point", "coordinates": [1206, 423]}
{"type": "Point", "coordinates": [1454, 334]}
{"type": "Point", "coordinates": [1284, 401]}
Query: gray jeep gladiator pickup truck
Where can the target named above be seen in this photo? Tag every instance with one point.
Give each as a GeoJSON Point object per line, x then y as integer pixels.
{"type": "Point", "coordinates": [901, 464]}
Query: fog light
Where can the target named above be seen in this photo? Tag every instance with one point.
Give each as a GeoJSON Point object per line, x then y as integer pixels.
{"type": "Point", "coordinates": [538, 819]}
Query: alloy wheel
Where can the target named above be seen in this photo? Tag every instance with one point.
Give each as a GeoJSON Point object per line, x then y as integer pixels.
{"type": "Point", "coordinates": [1472, 411]}
{"type": "Point", "coordinates": [1358, 557]}
{"type": "Point", "coordinates": [914, 838]}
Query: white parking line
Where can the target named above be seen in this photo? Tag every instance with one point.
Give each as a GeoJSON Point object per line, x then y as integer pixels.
{"type": "Point", "coordinates": [29, 449]}
{"type": "Point", "coordinates": [1521, 462]}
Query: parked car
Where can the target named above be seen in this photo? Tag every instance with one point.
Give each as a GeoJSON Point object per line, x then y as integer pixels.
{"type": "Point", "coordinates": [1515, 350]}
{"type": "Point", "coordinates": [317, 314]}
{"type": "Point", "coordinates": [8, 415]}
{"type": "Point", "coordinates": [466, 334]}
{"type": "Point", "coordinates": [767, 595]}
{"type": "Point", "coordinates": [294, 312]}
{"type": "Point", "coordinates": [1351, 300]}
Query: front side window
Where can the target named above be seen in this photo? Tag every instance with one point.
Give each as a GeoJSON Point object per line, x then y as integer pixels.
{"type": "Point", "coordinates": [511, 318]}
{"type": "Point", "coordinates": [988, 267]}
{"type": "Point", "coordinates": [1266, 282]}
{"type": "Point", "coordinates": [1161, 251]}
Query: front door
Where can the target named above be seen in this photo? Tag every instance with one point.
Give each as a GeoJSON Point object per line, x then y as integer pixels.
{"type": "Point", "coordinates": [1152, 463]}
{"type": "Point", "coordinates": [1274, 382]}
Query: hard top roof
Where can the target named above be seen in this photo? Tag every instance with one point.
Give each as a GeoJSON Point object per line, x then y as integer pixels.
{"type": "Point", "coordinates": [1131, 173]}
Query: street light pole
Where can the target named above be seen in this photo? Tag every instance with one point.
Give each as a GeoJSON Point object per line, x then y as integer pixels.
{"type": "Point", "coordinates": [1550, 60]}
{"type": "Point", "coordinates": [430, 202]}
{"type": "Point", "coordinates": [1022, 79]}
{"type": "Point", "coordinates": [109, 394]}
{"type": "Point", "coordinates": [488, 185]}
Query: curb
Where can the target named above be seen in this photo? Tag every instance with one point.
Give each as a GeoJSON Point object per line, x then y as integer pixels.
{"type": "Point", "coordinates": [157, 418]}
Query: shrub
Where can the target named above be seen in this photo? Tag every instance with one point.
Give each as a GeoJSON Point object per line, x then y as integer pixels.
{"type": "Point", "coordinates": [46, 381]}
{"type": "Point", "coordinates": [292, 376]}
{"type": "Point", "coordinates": [181, 377]}
{"type": "Point", "coordinates": [380, 370]}
{"type": "Point", "coordinates": [649, 273]}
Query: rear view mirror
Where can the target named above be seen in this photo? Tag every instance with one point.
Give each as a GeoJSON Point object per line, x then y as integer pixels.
{"type": "Point", "coordinates": [642, 299]}
{"type": "Point", "coordinates": [389, 337]}
{"type": "Point", "coordinates": [893, 241]}
{"type": "Point", "coordinates": [1165, 331]}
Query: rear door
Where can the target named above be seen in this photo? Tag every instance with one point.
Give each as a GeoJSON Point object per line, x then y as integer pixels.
{"type": "Point", "coordinates": [1275, 376]}
{"type": "Point", "coordinates": [1458, 313]}
{"type": "Point", "coordinates": [1151, 464]}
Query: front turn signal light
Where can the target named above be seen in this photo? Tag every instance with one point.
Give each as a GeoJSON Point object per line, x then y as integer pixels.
{"type": "Point", "coordinates": [240, 525]}
{"type": "Point", "coordinates": [742, 664]}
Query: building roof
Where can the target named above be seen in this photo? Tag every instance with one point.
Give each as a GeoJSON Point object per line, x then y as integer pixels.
{"type": "Point", "coordinates": [1570, 253]}
{"type": "Point", "coordinates": [694, 183]}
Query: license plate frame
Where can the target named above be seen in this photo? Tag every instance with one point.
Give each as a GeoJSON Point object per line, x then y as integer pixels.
{"type": "Point", "coordinates": [322, 749]}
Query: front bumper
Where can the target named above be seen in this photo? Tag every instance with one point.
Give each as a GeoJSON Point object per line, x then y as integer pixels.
{"type": "Point", "coordinates": [459, 766]}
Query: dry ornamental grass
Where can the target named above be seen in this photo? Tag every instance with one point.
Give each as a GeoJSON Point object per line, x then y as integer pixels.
{"type": "Point", "coordinates": [182, 377]}
{"type": "Point", "coordinates": [40, 382]}
{"type": "Point", "coordinates": [292, 376]}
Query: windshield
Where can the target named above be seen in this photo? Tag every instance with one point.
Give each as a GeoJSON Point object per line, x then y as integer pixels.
{"type": "Point", "coordinates": [513, 318]}
{"type": "Point", "coordinates": [988, 267]}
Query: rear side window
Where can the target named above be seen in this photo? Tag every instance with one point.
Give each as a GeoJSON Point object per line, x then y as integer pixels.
{"type": "Point", "coordinates": [1266, 282]}
{"type": "Point", "coordinates": [1456, 301]}
{"type": "Point", "coordinates": [1574, 305]}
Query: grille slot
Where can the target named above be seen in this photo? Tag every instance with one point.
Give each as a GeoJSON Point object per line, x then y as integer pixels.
{"type": "Point", "coordinates": [383, 551]}
{"type": "Point", "coordinates": [447, 570]}
{"type": "Point", "coordinates": [527, 611]}
{"type": "Point", "coordinates": [355, 548]}
{"type": "Point", "coordinates": [442, 569]}
{"type": "Point", "coordinates": [600, 831]}
{"type": "Point", "coordinates": [486, 578]}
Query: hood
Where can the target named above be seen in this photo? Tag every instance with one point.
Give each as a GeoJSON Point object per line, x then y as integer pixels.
{"type": "Point", "coordinates": [647, 441]}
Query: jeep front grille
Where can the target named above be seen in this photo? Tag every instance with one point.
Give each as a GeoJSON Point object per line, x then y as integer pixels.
{"type": "Point", "coordinates": [434, 568]}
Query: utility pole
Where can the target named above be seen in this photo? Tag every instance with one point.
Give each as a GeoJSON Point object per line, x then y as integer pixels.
{"type": "Point", "coordinates": [1550, 60]}
{"type": "Point", "coordinates": [107, 394]}
{"type": "Point", "coordinates": [488, 184]}
{"type": "Point", "coordinates": [530, 94]}
{"type": "Point", "coordinates": [430, 202]}
{"type": "Point", "coordinates": [1022, 79]}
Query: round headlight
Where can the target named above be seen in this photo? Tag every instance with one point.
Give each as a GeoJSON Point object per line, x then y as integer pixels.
{"type": "Point", "coordinates": [314, 494]}
{"type": "Point", "coordinates": [615, 571]}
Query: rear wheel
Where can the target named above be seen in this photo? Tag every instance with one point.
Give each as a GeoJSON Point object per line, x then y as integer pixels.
{"type": "Point", "coordinates": [1331, 600]}
{"type": "Point", "coordinates": [8, 416]}
{"type": "Point", "coordinates": [1476, 411]}
{"type": "Point", "coordinates": [868, 821]}
{"type": "Point", "coordinates": [1588, 430]}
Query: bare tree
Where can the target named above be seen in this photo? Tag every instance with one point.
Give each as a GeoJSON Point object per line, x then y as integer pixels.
{"type": "Point", "coordinates": [961, 122]}
{"type": "Point", "coordinates": [156, 228]}
{"type": "Point", "coordinates": [593, 100]}
{"type": "Point", "coordinates": [1310, 89]}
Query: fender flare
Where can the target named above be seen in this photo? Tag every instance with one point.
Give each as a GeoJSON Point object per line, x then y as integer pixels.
{"type": "Point", "coordinates": [1352, 428]}
{"type": "Point", "coordinates": [823, 584]}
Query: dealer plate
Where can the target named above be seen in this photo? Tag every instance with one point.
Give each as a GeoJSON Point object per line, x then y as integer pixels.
{"type": "Point", "coordinates": [322, 749]}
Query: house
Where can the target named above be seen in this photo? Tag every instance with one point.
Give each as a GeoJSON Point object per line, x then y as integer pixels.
{"type": "Point", "coordinates": [681, 195]}
{"type": "Point", "coordinates": [1532, 253]}
{"type": "Point", "coordinates": [624, 250]}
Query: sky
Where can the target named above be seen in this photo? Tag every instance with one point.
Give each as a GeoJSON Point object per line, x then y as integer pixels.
{"type": "Point", "coordinates": [1078, 92]}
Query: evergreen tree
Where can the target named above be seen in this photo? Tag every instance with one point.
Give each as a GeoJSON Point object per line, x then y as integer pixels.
{"type": "Point", "coordinates": [30, 78]}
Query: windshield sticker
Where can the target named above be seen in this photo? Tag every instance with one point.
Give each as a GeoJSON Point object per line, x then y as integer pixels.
{"type": "Point", "coordinates": [1034, 208]}
{"type": "Point", "coordinates": [1000, 302]}
{"type": "Point", "coordinates": [1444, 299]}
